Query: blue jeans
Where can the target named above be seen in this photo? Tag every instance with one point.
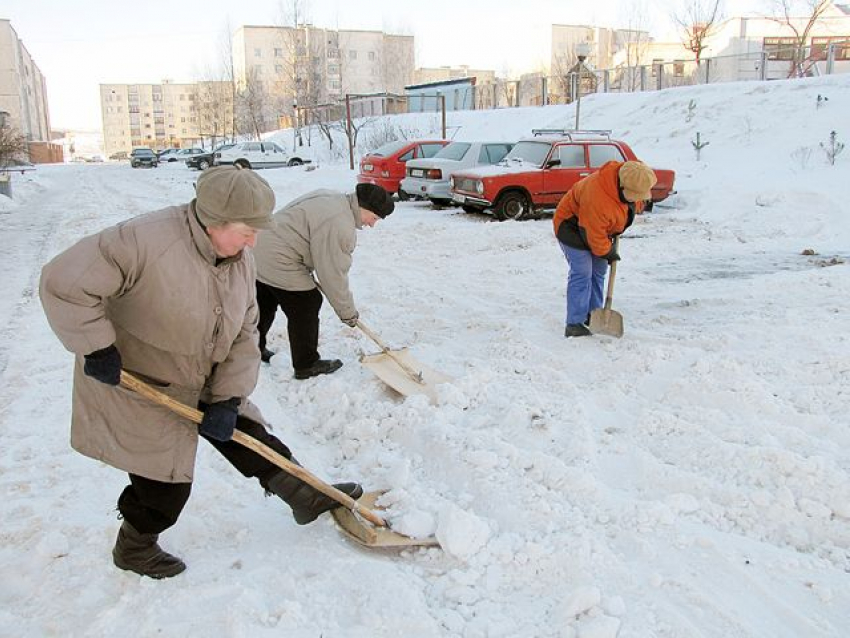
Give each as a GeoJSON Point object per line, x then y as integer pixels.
{"type": "Point", "coordinates": [584, 284]}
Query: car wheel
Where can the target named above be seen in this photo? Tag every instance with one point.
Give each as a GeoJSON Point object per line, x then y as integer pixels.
{"type": "Point", "coordinates": [441, 202]}
{"type": "Point", "coordinates": [403, 196]}
{"type": "Point", "coordinates": [511, 205]}
{"type": "Point", "coordinates": [472, 209]}
{"type": "Point", "coordinates": [203, 164]}
{"type": "Point", "coordinates": [242, 163]}
{"type": "Point", "coordinates": [295, 161]}
{"type": "Point", "coordinates": [648, 206]}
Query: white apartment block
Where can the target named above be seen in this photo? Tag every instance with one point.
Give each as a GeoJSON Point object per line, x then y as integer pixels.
{"type": "Point", "coordinates": [426, 75]}
{"type": "Point", "coordinates": [604, 45]}
{"type": "Point", "coordinates": [165, 115]}
{"type": "Point", "coordinates": [23, 91]}
{"type": "Point", "coordinates": [312, 66]}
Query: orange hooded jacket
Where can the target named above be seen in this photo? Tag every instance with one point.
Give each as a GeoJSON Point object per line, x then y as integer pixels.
{"type": "Point", "coordinates": [591, 212]}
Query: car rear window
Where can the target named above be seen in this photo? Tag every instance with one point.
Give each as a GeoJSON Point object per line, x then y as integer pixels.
{"type": "Point", "coordinates": [601, 153]}
{"type": "Point", "coordinates": [493, 153]}
{"type": "Point", "coordinates": [429, 150]}
{"type": "Point", "coordinates": [453, 151]}
{"type": "Point", "coordinates": [390, 148]}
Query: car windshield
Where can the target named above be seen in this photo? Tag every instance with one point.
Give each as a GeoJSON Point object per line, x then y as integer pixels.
{"type": "Point", "coordinates": [454, 151]}
{"type": "Point", "coordinates": [390, 148]}
{"type": "Point", "coordinates": [528, 152]}
{"type": "Point", "coordinates": [146, 152]}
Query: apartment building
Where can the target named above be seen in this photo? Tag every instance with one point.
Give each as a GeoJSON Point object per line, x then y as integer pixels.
{"type": "Point", "coordinates": [309, 66]}
{"type": "Point", "coordinates": [23, 90]}
{"type": "Point", "coordinates": [165, 115]}
{"type": "Point", "coordinates": [604, 45]}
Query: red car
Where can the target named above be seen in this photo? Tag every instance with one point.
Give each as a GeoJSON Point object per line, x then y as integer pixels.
{"type": "Point", "coordinates": [385, 165]}
{"type": "Point", "coordinates": [539, 170]}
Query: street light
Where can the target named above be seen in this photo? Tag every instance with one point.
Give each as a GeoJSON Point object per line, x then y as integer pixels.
{"type": "Point", "coordinates": [582, 51]}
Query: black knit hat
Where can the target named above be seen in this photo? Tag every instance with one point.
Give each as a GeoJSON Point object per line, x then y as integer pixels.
{"type": "Point", "coordinates": [375, 199]}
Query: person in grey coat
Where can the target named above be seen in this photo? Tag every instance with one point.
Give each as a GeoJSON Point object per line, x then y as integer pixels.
{"type": "Point", "coordinates": [170, 297]}
{"type": "Point", "coordinates": [316, 233]}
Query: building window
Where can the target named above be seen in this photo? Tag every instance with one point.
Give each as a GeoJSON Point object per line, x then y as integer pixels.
{"type": "Point", "coordinates": [258, 69]}
{"type": "Point", "coordinates": [258, 53]}
{"type": "Point", "coordinates": [841, 46]}
{"type": "Point", "coordinates": [333, 54]}
{"type": "Point", "coordinates": [278, 68]}
{"type": "Point", "coordinates": [352, 55]}
{"type": "Point", "coordinates": [780, 48]}
{"type": "Point", "coordinates": [333, 69]}
{"type": "Point", "coordinates": [371, 56]}
{"type": "Point", "coordinates": [278, 53]}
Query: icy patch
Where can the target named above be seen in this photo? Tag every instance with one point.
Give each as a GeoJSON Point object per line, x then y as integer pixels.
{"type": "Point", "coordinates": [460, 533]}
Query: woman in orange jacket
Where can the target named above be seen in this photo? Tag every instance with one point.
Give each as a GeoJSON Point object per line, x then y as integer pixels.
{"type": "Point", "coordinates": [587, 219]}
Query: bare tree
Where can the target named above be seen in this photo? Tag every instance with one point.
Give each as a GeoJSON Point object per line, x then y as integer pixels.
{"type": "Point", "coordinates": [698, 21]}
{"type": "Point", "coordinates": [252, 104]}
{"type": "Point", "coordinates": [634, 41]}
{"type": "Point", "coordinates": [811, 12]}
{"type": "Point", "coordinates": [228, 73]}
{"type": "Point", "coordinates": [13, 145]}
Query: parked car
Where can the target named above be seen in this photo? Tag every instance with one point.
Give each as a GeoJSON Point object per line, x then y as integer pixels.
{"type": "Point", "coordinates": [168, 155]}
{"type": "Point", "coordinates": [429, 178]}
{"type": "Point", "coordinates": [118, 155]}
{"type": "Point", "coordinates": [205, 160]}
{"type": "Point", "coordinates": [539, 170]}
{"type": "Point", "coordinates": [258, 155]}
{"type": "Point", "coordinates": [185, 153]}
{"type": "Point", "coordinates": [143, 157]}
{"type": "Point", "coordinates": [385, 165]}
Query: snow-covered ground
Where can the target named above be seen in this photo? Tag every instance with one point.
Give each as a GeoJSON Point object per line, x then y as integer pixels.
{"type": "Point", "coordinates": [689, 480]}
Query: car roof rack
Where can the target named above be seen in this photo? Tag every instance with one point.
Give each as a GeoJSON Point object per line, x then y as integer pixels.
{"type": "Point", "coordinates": [571, 133]}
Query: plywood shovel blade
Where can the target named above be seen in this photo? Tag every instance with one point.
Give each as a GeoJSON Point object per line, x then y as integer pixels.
{"type": "Point", "coordinates": [605, 321]}
{"type": "Point", "coordinates": [404, 374]}
{"type": "Point", "coordinates": [364, 533]}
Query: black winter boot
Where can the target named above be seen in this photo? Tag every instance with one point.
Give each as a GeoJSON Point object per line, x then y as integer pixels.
{"type": "Point", "coordinates": [322, 366]}
{"type": "Point", "coordinates": [266, 355]}
{"type": "Point", "coordinates": [576, 330]}
{"type": "Point", "coordinates": [140, 553]}
{"type": "Point", "coordinates": [307, 503]}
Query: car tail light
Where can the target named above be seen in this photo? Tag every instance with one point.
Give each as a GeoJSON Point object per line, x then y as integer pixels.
{"type": "Point", "coordinates": [434, 173]}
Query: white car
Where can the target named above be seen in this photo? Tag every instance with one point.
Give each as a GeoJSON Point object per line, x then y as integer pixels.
{"type": "Point", "coordinates": [428, 178]}
{"type": "Point", "coordinates": [258, 155]}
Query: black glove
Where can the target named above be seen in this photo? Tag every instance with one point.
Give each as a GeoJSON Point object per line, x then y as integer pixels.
{"type": "Point", "coordinates": [104, 365]}
{"type": "Point", "coordinates": [220, 419]}
{"type": "Point", "coordinates": [352, 321]}
{"type": "Point", "coordinates": [612, 256]}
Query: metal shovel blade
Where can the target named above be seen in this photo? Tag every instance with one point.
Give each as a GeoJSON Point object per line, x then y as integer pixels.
{"type": "Point", "coordinates": [364, 533]}
{"type": "Point", "coordinates": [605, 321]}
{"type": "Point", "coordinates": [408, 379]}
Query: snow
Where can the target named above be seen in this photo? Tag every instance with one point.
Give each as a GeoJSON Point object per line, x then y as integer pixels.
{"type": "Point", "coordinates": [690, 479]}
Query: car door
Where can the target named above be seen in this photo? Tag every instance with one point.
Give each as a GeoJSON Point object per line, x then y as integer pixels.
{"type": "Point", "coordinates": [252, 152]}
{"type": "Point", "coordinates": [566, 165]}
{"type": "Point", "coordinates": [273, 155]}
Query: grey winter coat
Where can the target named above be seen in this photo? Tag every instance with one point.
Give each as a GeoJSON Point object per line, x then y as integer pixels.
{"type": "Point", "coordinates": [316, 232]}
{"type": "Point", "coordinates": [151, 286]}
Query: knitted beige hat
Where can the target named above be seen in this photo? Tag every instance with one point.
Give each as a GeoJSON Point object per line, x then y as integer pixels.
{"type": "Point", "coordinates": [637, 180]}
{"type": "Point", "coordinates": [232, 194]}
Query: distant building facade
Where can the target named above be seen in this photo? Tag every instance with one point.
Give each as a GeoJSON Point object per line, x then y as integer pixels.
{"type": "Point", "coordinates": [23, 90]}
{"type": "Point", "coordinates": [166, 115]}
{"type": "Point", "coordinates": [424, 75]}
{"type": "Point", "coordinates": [459, 95]}
{"type": "Point", "coordinates": [288, 67]}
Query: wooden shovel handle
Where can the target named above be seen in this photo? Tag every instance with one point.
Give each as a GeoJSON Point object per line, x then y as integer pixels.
{"type": "Point", "coordinates": [609, 294]}
{"type": "Point", "coordinates": [413, 374]}
{"type": "Point", "coordinates": [196, 416]}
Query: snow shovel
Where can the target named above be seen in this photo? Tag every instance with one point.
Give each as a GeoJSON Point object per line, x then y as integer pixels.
{"type": "Point", "coordinates": [604, 321]}
{"type": "Point", "coordinates": [399, 370]}
{"type": "Point", "coordinates": [360, 522]}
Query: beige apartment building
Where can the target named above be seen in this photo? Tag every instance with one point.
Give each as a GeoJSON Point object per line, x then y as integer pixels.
{"type": "Point", "coordinates": [309, 66]}
{"type": "Point", "coordinates": [166, 115]}
{"type": "Point", "coordinates": [23, 90]}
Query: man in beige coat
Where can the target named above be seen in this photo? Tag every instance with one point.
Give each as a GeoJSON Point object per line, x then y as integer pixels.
{"type": "Point", "coordinates": [170, 296]}
{"type": "Point", "coordinates": [315, 233]}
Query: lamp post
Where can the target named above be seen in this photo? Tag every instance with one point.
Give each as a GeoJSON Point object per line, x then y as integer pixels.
{"type": "Point", "coordinates": [582, 51]}
{"type": "Point", "coordinates": [296, 134]}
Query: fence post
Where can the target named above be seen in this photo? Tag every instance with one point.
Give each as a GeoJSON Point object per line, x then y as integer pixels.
{"type": "Point", "coordinates": [348, 131]}
{"type": "Point", "coordinates": [763, 67]}
{"type": "Point", "coordinates": [707, 70]}
{"type": "Point", "coordinates": [495, 95]}
{"type": "Point", "coordinates": [606, 80]}
{"type": "Point", "coordinates": [543, 88]}
{"type": "Point", "coordinates": [830, 58]}
{"type": "Point", "coordinates": [659, 80]}
{"type": "Point", "coordinates": [643, 78]}
{"type": "Point", "coordinates": [516, 98]}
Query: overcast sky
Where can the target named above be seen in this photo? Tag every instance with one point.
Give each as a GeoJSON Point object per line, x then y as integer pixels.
{"type": "Point", "coordinates": [79, 44]}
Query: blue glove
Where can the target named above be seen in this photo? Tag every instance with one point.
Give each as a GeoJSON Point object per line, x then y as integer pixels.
{"type": "Point", "coordinates": [220, 419]}
{"type": "Point", "coordinates": [104, 365]}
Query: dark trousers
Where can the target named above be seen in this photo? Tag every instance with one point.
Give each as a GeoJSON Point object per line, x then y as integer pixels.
{"type": "Point", "coordinates": [301, 308]}
{"type": "Point", "coordinates": [153, 506]}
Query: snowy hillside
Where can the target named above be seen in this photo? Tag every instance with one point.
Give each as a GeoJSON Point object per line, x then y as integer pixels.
{"type": "Point", "coordinates": [689, 480]}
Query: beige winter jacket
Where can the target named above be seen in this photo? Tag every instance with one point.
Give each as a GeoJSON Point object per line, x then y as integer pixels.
{"type": "Point", "coordinates": [316, 232]}
{"type": "Point", "coordinates": [152, 287]}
